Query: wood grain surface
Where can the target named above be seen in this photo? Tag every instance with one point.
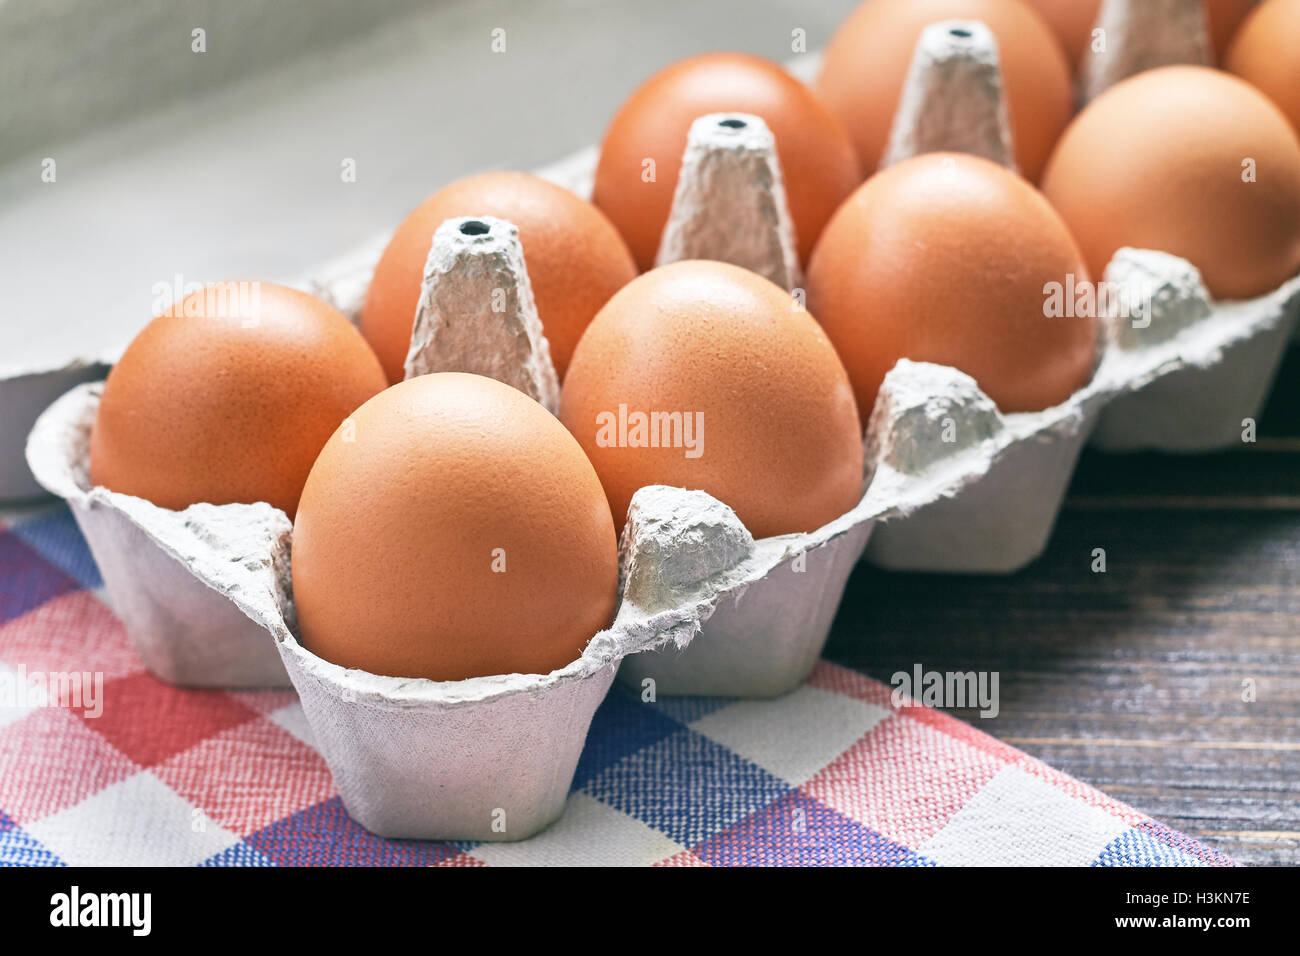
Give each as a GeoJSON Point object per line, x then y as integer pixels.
{"type": "Point", "coordinates": [1134, 679]}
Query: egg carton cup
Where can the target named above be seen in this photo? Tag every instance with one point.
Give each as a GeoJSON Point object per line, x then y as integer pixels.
{"type": "Point", "coordinates": [188, 585]}
{"type": "Point", "coordinates": [1201, 373]}
{"type": "Point", "coordinates": [1143, 35]}
{"type": "Point", "coordinates": [206, 596]}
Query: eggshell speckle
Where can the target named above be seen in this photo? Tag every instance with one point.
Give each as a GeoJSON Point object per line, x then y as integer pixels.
{"type": "Point", "coordinates": [867, 60]}
{"type": "Point", "coordinates": [768, 401]}
{"type": "Point", "coordinates": [228, 396]}
{"type": "Point", "coordinates": [1266, 54]}
{"type": "Point", "coordinates": [1165, 160]}
{"type": "Point", "coordinates": [817, 160]}
{"type": "Point", "coordinates": [944, 258]}
{"type": "Point", "coordinates": [575, 258]}
{"type": "Point", "coordinates": [459, 532]}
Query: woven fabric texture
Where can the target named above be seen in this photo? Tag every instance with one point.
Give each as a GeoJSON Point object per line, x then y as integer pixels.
{"type": "Point", "coordinates": [833, 773]}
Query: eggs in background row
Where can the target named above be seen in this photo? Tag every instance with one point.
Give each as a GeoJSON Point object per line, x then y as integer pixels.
{"type": "Point", "coordinates": [1187, 160]}
{"type": "Point", "coordinates": [641, 153]}
{"type": "Point", "coordinates": [1266, 53]}
{"type": "Point", "coordinates": [1073, 21]}
{"type": "Point", "coordinates": [867, 59]}
{"type": "Point", "coordinates": [574, 256]}
{"type": "Point", "coordinates": [944, 258]}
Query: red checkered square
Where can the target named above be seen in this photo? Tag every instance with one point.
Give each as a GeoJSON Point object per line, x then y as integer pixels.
{"type": "Point", "coordinates": [460, 859]}
{"type": "Point", "coordinates": [266, 774]}
{"type": "Point", "coordinates": [964, 732]}
{"type": "Point", "coordinates": [841, 680]}
{"type": "Point", "coordinates": [51, 760]}
{"type": "Point", "coordinates": [904, 779]}
{"type": "Point", "coordinates": [150, 721]}
{"type": "Point", "coordinates": [685, 858]}
{"type": "Point", "coordinates": [74, 632]}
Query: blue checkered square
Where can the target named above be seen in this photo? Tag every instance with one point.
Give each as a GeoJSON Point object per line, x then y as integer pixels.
{"type": "Point", "coordinates": [686, 786]}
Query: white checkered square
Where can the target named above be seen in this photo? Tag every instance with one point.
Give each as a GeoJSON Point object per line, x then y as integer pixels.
{"type": "Point", "coordinates": [138, 821]}
{"type": "Point", "coordinates": [590, 833]}
{"type": "Point", "coordinates": [1018, 819]}
{"type": "Point", "coordinates": [795, 736]}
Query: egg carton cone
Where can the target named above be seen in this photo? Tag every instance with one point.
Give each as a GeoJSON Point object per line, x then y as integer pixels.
{"type": "Point", "coordinates": [476, 311]}
{"type": "Point", "coordinates": [773, 604]}
{"type": "Point", "coordinates": [729, 204]}
{"type": "Point", "coordinates": [186, 584]}
{"type": "Point", "coordinates": [1137, 35]}
{"type": "Point", "coordinates": [953, 98]}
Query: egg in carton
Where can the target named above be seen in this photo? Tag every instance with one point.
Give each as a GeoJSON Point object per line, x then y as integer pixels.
{"type": "Point", "coordinates": [206, 595]}
{"type": "Point", "coordinates": [958, 486]}
{"type": "Point", "coordinates": [205, 592]}
{"type": "Point", "coordinates": [1141, 34]}
{"type": "Point", "coordinates": [951, 484]}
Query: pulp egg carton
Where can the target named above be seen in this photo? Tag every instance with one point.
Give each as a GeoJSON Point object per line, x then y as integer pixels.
{"type": "Point", "coordinates": [950, 483]}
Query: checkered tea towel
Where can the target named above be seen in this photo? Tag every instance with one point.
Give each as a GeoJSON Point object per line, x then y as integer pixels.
{"type": "Point", "coordinates": [829, 774]}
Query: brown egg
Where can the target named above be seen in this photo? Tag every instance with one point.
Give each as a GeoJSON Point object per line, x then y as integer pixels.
{"type": "Point", "coordinates": [458, 532]}
{"type": "Point", "coordinates": [576, 260]}
{"type": "Point", "coordinates": [1073, 21]}
{"type": "Point", "coordinates": [228, 396]}
{"type": "Point", "coordinates": [703, 375]}
{"type": "Point", "coordinates": [1225, 16]}
{"type": "Point", "coordinates": [946, 258]}
{"type": "Point", "coordinates": [1266, 54]}
{"type": "Point", "coordinates": [868, 58]}
{"type": "Point", "coordinates": [817, 160]}
{"type": "Point", "coordinates": [1191, 161]}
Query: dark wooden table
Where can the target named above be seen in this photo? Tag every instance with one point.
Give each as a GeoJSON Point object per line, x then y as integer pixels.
{"type": "Point", "coordinates": [1133, 680]}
